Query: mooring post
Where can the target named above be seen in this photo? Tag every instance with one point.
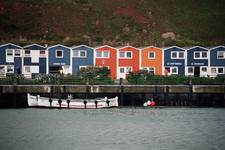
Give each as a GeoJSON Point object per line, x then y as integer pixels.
{"type": "Point", "coordinates": [14, 93]}
{"type": "Point", "coordinates": [121, 91]}
{"type": "Point", "coordinates": [190, 93]}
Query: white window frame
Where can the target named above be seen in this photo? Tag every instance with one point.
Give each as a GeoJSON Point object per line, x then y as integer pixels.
{"type": "Point", "coordinates": [218, 70]}
{"type": "Point", "coordinates": [205, 68]}
{"type": "Point", "coordinates": [27, 55]}
{"type": "Point", "coordinates": [79, 53]}
{"type": "Point", "coordinates": [125, 54]}
{"type": "Point", "coordinates": [16, 54]}
{"type": "Point", "coordinates": [149, 55]}
{"type": "Point", "coordinates": [192, 70]}
{"type": "Point", "coordinates": [215, 70]}
{"type": "Point", "coordinates": [170, 70]}
{"type": "Point", "coordinates": [177, 53]}
{"type": "Point", "coordinates": [200, 53]}
{"type": "Point", "coordinates": [4, 69]}
{"type": "Point", "coordinates": [12, 69]}
{"type": "Point", "coordinates": [223, 54]}
{"type": "Point", "coordinates": [102, 52]}
{"type": "Point", "coordinates": [41, 55]}
{"type": "Point", "coordinates": [124, 69]}
{"type": "Point", "coordinates": [7, 52]}
{"type": "Point", "coordinates": [59, 56]}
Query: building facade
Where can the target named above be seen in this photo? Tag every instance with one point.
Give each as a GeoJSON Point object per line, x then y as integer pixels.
{"type": "Point", "coordinates": [217, 61]}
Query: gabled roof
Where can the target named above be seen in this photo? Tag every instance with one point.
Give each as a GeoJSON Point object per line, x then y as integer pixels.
{"type": "Point", "coordinates": [167, 48]}
{"type": "Point", "coordinates": [11, 45]}
{"type": "Point", "coordinates": [105, 46]}
{"type": "Point", "coordinates": [35, 47]}
{"type": "Point", "coordinates": [74, 47]}
{"type": "Point", "coordinates": [220, 46]}
{"type": "Point", "coordinates": [150, 47]}
{"type": "Point", "coordinates": [197, 47]}
{"type": "Point", "coordinates": [120, 48]}
{"type": "Point", "coordinates": [58, 45]}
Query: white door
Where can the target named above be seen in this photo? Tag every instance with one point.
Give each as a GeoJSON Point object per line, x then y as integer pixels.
{"type": "Point", "coordinates": [122, 72]}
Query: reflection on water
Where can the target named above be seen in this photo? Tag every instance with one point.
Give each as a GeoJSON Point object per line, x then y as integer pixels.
{"type": "Point", "coordinates": [123, 128]}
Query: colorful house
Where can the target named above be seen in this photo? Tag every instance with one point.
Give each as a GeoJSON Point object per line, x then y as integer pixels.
{"type": "Point", "coordinates": [151, 60]}
{"type": "Point", "coordinates": [35, 60]}
{"type": "Point", "coordinates": [10, 59]}
{"type": "Point", "coordinates": [217, 61]}
{"type": "Point", "coordinates": [197, 61]}
{"type": "Point", "coordinates": [128, 61]}
{"type": "Point", "coordinates": [174, 61]}
{"type": "Point", "coordinates": [82, 57]}
{"type": "Point", "coordinates": [59, 59]}
{"type": "Point", "coordinates": [106, 56]}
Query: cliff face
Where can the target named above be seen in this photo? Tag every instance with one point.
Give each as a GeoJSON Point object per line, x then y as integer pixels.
{"type": "Point", "coordinates": [114, 22]}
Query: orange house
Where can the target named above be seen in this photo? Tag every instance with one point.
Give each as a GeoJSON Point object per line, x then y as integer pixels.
{"type": "Point", "coordinates": [106, 56]}
{"type": "Point", "coordinates": [151, 60]}
{"type": "Point", "coordinates": [128, 61]}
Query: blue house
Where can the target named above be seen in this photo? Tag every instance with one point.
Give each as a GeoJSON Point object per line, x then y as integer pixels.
{"type": "Point", "coordinates": [10, 59]}
{"type": "Point", "coordinates": [217, 61]}
{"type": "Point", "coordinates": [174, 60]}
{"type": "Point", "coordinates": [82, 56]}
{"type": "Point", "coordinates": [59, 59]}
{"type": "Point", "coordinates": [35, 60]}
{"type": "Point", "coordinates": [197, 61]}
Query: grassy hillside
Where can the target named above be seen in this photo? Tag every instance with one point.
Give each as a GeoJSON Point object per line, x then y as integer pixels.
{"type": "Point", "coordinates": [114, 22]}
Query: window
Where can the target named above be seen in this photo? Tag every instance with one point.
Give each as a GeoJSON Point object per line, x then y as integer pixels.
{"type": "Point", "coordinates": [129, 54]}
{"type": "Point", "coordinates": [27, 52]}
{"type": "Point", "coordinates": [27, 69]}
{"type": "Point", "coordinates": [59, 54]}
{"type": "Point", "coordinates": [204, 69]}
{"type": "Point", "coordinates": [151, 55]}
{"type": "Point", "coordinates": [220, 71]}
{"type": "Point", "coordinates": [17, 52]}
{"type": "Point", "coordinates": [213, 70]}
{"type": "Point", "coordinates": [181, 54]}
{"type": "Point", "coordinates": [174, 54]}
{"type": "Point", "coordinates": [122, 70]}
{"type": "Point", "coordinates": [220, 55]}
{"type": "Point", "coordinates": [204, 54]}
{"type": "Point", "coordinates": [42, 53]}
{"type": "Point", "coordinates": [128, 69]}
{"type": "Point", "coordinates": [190, 70]}
{"type": "Point", "coordinates": [79, 53]}
{"type": "Point", "coordinates": [2, 69]}
{"type": "Point", "coordinates": [82, 53]}
{"type": "Point", "coordinates": [174, 70]}
{"type": "Point", "coordinates": [125, 54]}
{"type": "Point", "coordinates": [9, 52]}
{"type": "Point", "coordinates": [200, 55]}
{"type": "Point", "coordinates": [151, 70]}
{"type": "Point", "coordinates": [10, 69]}
{"type": "Point", "coordinates": [102, 54]}
{"type": "Point", "coordinates": [197, 55]}
{"type": "Point", "coordinates": [105, 54]}
{"type": "Point", "coordinates": [122, 54]}
{"type": "Point", "coordinates": [177, 55]}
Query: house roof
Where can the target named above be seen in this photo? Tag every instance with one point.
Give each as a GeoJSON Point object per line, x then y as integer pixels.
{"type": "Point", "coordinates": [11, 45]}
{"type": "Point", "coordinates": [35, 47]}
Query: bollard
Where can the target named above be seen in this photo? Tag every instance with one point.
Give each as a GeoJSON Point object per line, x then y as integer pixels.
{"type": "Point", "coordinates": [107, 102]}
{"type": "Point", "coordinates": [60, 102]}
{"type": "Point", "coordinates": [96, 104]}
{"type": "Point", "coordinates": [85, 104]}
{"type": "Point", "coordinates": [68, 103]}
{"type": "Point", "coordinates": [50, 102]}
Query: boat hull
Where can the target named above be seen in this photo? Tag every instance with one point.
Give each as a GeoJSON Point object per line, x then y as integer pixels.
{"type": "Point", "coordinates": [37, 101]}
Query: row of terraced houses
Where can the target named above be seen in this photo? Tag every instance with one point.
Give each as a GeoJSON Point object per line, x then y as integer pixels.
{"type": "Point", "coordinates": [36, 59]}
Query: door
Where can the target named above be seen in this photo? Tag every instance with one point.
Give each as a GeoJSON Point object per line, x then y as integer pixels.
{"type": "Point", "coordinates": [122, 72]}
{"type": "Point", "coordinates": [197, 71]}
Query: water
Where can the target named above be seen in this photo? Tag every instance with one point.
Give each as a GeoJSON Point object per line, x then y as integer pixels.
{"type": "Point", "coordinates": [113, 129]}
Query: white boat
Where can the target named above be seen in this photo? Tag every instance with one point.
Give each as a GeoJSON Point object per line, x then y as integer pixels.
{"type": "Point", "coordinates": [37, 101]}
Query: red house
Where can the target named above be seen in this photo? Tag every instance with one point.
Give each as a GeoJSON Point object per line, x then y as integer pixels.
{"type": "Point", "coordinates": [106, 56]}
{"type": "Point", "coordinates": [128, 61]}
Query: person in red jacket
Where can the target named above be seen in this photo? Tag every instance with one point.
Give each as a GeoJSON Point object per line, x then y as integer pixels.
{"type": "Point", "coordinates": [152, 103]}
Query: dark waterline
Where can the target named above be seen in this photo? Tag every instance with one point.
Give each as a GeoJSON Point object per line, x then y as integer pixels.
{"type": "Point", "coordinates": [119, 128]}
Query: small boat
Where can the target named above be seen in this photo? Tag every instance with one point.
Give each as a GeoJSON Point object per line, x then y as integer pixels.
{"type": "Point", "coordinates": [37, 101]}
{"type": "Point", "coordinates": [149, 103]}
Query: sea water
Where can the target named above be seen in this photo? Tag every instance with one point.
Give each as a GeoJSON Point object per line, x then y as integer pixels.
{"type": "Point", "coordinates": [113, 129]}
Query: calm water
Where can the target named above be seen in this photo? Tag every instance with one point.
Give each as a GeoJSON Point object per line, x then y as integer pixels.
{"type": "Point", "coordinates": [113, 129]}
